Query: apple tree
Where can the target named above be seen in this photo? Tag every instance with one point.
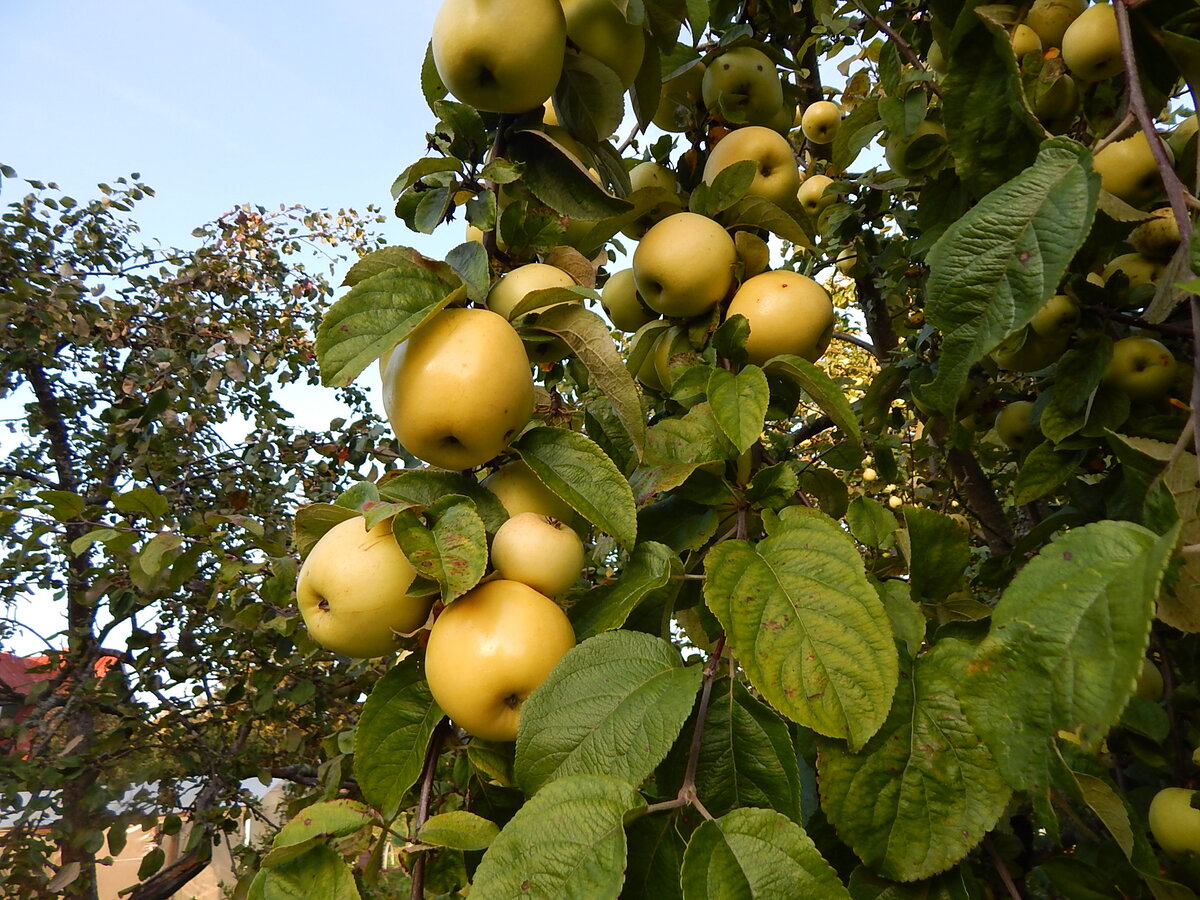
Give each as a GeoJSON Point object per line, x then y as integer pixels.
{"type": "Point", "coordinates": [889, 597]}
{"type": "Point", "coordinates": [148, 468]}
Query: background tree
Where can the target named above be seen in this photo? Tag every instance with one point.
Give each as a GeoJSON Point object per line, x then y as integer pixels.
{"type": "Point", "coordinates": [146, 496]}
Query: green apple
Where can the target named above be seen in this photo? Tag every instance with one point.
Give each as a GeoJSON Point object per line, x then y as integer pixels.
{"type": "Point", "coordinates": [922, 154]}
{"type": "Point", "coordinates": [539, 551]}
{"type": "Point", "coordinates": [936, 58]}
{"type": "Point", "coordinates": [642, 347]}
{"type": "Point", "coordinates": [787, 313]}
{"type": "Point", "coordinates": [1091, 46]}
{"type": "Point", "coordinates": [820, 121]}
{"type": "Point", "coordinates": [672, 352]}
{"type": "Point", "coordinates": [352, 590]}
{"type": "Point", "coordinates": [1141, 367]}
{"type": "Point", "coordinates": [1025, 350]}
{"type": "Point", "coordinates": [483, 69]}
{"type": "Point", "coordinates": [1014, 423]}
{"type": "Point", "coordinates": [775, 178]}
{"type": "Point", "coordinates": [811, 194]}
{"type": "Point", "coordinates": [1051, 18]}
{"type": "Point", "coordinates": [487, 652]}
{"type": "Point", "coordinates": [459, 389]}
{"type": "Point", "coordinates": [1056, 102]}
{"type": "Point", "coordinates": [621, 302]}
{"type": "Point", "coordinates": [1128, 169]}
{"type": "Point", "coordinates": [1025, 40]}
{"type": "Point", "coordinates": [519, 490]}
{"type": "Point", "coordinates": [846, 260]}
{"type": "Point", "coordinates": [742, 86]}
{"type": "Point", "coordinates": [1182, 136]}
{"type": "Point", "coordinates": [599, 29]}
{"type": "Point", "coordinates": [1157, 237]}
{"type": "Point", "coordinates": [679, 100]}
{"type": "Point", "coordinates": [1138, 270]}
{"type": "Point", "coordinates": [684, 265]}
{"type": "Point", "coordinates": [1058, 318]}
{"type": "Point", "coordinates": [1174, 822]}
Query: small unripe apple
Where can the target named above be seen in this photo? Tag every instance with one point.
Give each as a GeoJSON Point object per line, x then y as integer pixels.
{"type": "Point", "coordinates": [1174, 822]}
{"type": "Point", "coordinates": [352, 590]}
{"type": "Point", "coordinates": [820, 121]}
{"type": "Point", "coordinates": [1014, 423]}
{"type": "Point", "coordinates": [684, 265]}
{"type": "Point", "coordinates": [775, 176]}
{"type": "Point", "coordinates": [489, 73]}
{"type": "Point", "coordinates": [539, 551]}
{"type": "Point", "coordinates": [742, 86]}
{"type": "Point", "coordinates": [787, 313]}
{"type": "Point", "coordinates": [488, 651]}
{"type": "Point", "coordinates": [1091, 46]}
{"type": "Point", "coordinates": [1141, 367]}
{"type": "Point", "coordinates": [621, 302]}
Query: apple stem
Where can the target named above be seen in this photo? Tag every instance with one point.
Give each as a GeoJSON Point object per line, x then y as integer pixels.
{"type": "Point", "coordinates": [431, 759]}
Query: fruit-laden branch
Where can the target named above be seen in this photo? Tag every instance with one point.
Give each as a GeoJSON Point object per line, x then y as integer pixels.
{"type": "Point", "coordinates": [902, 45]}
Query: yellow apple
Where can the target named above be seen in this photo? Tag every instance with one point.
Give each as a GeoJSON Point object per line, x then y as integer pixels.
{"type": "Point", "coordinates": [775, 179]}
{"type": "Point", "coordinates": [512, 289]}
{"type": "Point", "coordinates": [485, 65]}
{"type": "Point", "coordinates": [1157, 237]}
{"type": "Point", "coordinates": [673, 350]}
{"type": "Point", "coordinates": [519, 490]}
{"type": "Point", "coordinates": [1141, 367]}
{"type": "Point", "coordinates": [488, 651]}
{"type": "Point", "coordinates": [923, 153]}
{"type": "Point", "coordinates": [1058, 318]}
{"type": "Point", "coordinates": [644, 344]}
{"type": "Point", "coordinates": [1128, 170]}
{"type": "Point", "coordinates": [1138, 270]}
{"type": "Point", "coordinates": [599, 29]}
{"type": "Point", "coordinates": [1014, 423]}
{"type": "Point", "coordinates": [1051, 18]}
{"type": "Point", "coordinates": [1174, 822]}
{"type": "Point", "coordinates": [1182, 135]}
{"type": "Point", "coordinates": [684, 265]}
{"type": "Point", "coordinates": [678, 102]}
{"type": "Point", "coordinates": [459, 389]}
{"type": "Point", "coordinates": [936, 58]}
{"type": "Point", "coordinates": [650, 174]}
{"type": "Point", "coordinates": [539, 551]}
{"type": "Point", "coordinates": [351, 590]}
{"type": "Point", "coordinates": [742, 86]}
{"type": "Point", "coordinates": [1025, 40]}
{"type": "Point", "coordinates": [621, 302]}
{"type": "Point", "coordinates": [1091, 46]}
{"type": "Point", "coordinates": [846, 260]}
{"type": "Point", "coordinates": [1057, 103]}
{"type": "Point", "coordinates": [1025, 350]}
{"type": "Point", "coordinates": [820, 121]}
{"type": "Point", "coordinates": [787, 313]}
{"type": "Point", "coordinates": [812, 196]}
{"type": "Point", "coordinates": [654, 195]}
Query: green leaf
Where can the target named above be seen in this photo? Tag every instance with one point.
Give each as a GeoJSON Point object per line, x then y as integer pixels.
{"type": "Point", "coordinates": [613, 705]}
{"type": "Point", "coordinates": [655, 858]}
{"type": "Point", "coordinates": [589, 99]}
{"type": "Point", "coordinates": [872, 523]}
{"type": "Point", "coordinates": [449, 548]}
{"type": "Point", "coordinates": [313, 521]}
{"type": "Point", "coordinates": [866, 885]}
{"type": "Point", "coordinates": [327, 819]}
{"type": "Point", "coordinates": [857, 130]}
{"type": "Point", "coordinates": [814, 381]}
{"type": "Point", "coordinates": [746, 756]}
{"type": "Point", "coordinates": [377, 314]}
{"type": "Point", "coordinates": [319, 874]}
{"type": "Point", "coordinates": [560, 181]}
{"type": "Point", "coordinates": [393, 733]}
{"type": "Point", "coordinates": [424, 487]}
{"type": "Point", "coordinates": [739, 403]}
{"type": "Point", "coordinates": [938, 552]}
{"type": "Point", "coordinates": [151, 863]}
{"type": "Point", "coordinates": [590, 342]}
{"type": "Point", "coordinates": [759, 212]}
{"type": "Point", "coordinates": [393, 257]}
{"type": "Point", "coordinates": [470, 262]}
{"type": "Point", "coordinates": [728, 186]}
{"type": "Point", "coordinates": [151, 557]}
{"type": "Point", "coordinates": [432, 88]}
{"type": "Point", "coordinates": [647, 86]}
{"type": "Point", "coordinates": [996, 266]}
{"type": "Point", "coordinates": [1066, 644]}
{"type": "Point", "coordinates": [993, 134]}
{"type": "Point", "coordinates": [756, 854]}
{"type": "Point", "coordinates": [574, 467]}
{"type": "Point", "coordinates": [1043, 470]}
{"type": "Point", "coordinates": [142, 502]}
{"type": "Point", "coordinates": [95, 536]}
{"type": "Point", "coordinates": [925, 789]}
{"type": "Point", "coordinates": [63, 505]}
{"type": "Point", "coordinates": [566, 843]}
{"type": "Point", "coordinates": [608, 606]}
{"type": "Point", "coordinates": [1106, 803]}
{"type": "Point", "coordinates": [459, 830]}
{"type": "Point", "coordinates": [806, 625]}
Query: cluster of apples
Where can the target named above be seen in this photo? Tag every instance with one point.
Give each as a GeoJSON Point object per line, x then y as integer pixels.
{"type": "Point", "coordinates": [487, 650]}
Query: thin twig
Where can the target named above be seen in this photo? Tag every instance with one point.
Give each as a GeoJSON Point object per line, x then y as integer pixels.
{"type": "Point", "coordinates": [431, 760]}
{"type": "Point", "coordinates": [1001, 869]}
